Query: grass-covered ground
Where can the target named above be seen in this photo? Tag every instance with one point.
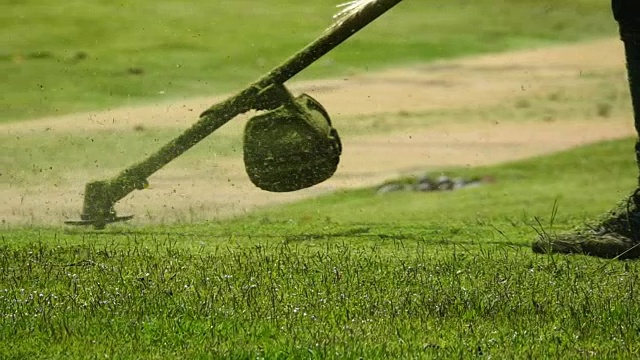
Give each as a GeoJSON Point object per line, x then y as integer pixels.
{"type": "Point", "coordinates": [99, 54]}
{"type": "Point", "coordinates": [350, 275]}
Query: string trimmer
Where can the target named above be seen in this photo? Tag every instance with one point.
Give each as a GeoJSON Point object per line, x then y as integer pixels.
{"type": "Point", "coordinates": [288, 147]}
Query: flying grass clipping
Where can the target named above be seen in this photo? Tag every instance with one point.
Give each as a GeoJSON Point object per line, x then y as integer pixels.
{"type": "Point", "coordinates": [350, 9]}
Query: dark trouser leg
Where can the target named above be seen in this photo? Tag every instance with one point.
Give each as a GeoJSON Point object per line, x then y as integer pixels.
{"type": "Point", "coordinates": [632, 52]}
{"type": "Point", "coordinates": [627, 13]}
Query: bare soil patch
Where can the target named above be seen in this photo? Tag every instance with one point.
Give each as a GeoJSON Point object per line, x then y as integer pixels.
{"type": "Point", "coordinates": [195, 194]}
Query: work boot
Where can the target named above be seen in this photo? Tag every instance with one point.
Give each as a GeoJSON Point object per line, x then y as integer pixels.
{"type": "Point", "coordinates": [614, 235]}
{"type": "Point", "coordinates": [617, 234]}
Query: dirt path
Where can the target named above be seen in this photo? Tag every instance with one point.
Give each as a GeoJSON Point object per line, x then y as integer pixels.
{"type": "Point", "coordinates": [193, 194]}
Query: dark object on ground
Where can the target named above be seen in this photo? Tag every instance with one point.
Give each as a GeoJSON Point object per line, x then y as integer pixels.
{"type": "Point", "coordinates": [387, 188]}
{"type": "Point", "coordinates": [425, 183]}
{"type": "Point", "coordinates": [39, 55]}
{"type": "Point", "coordinates": [135, 71]}
{"type": "Point", "coordinates": [77, 57]}
{"type": "Point", "coordinates": [615, 236]}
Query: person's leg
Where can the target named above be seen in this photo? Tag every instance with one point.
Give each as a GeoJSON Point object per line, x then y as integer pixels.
{"type": "Point", "coordinates": [627, 14]}
{"type": "Point", "coordinates": [617, 234]}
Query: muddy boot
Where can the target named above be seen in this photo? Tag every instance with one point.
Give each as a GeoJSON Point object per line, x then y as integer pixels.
{"type": "Point", "coordinates": [617, 233]}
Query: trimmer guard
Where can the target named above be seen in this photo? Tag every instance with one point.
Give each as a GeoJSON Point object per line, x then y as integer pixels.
{"type": "Point", "coordinates": [291, 147]}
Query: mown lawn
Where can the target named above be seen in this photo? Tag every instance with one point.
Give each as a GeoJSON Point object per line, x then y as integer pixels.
{"type": "Point", "coordinates": [349, 275]}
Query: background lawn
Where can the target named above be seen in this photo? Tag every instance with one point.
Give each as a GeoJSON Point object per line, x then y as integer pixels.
{"type": "Point", "coordinates": [89, 55]}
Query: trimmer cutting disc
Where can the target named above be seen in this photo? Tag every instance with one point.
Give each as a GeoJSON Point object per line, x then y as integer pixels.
{"type": "Point", "coordinates": [98, 224]}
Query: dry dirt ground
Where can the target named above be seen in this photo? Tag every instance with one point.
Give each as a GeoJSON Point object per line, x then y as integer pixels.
{"type": "Point", "coordinates": [193, 194]}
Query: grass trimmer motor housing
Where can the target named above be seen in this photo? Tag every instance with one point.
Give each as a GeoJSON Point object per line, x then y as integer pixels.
{"type": "Point", "coordinates": [291, 147]}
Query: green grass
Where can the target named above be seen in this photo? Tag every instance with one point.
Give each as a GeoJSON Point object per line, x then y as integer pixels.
{"type": "Point", "coordinates": [100, 54]}
{"type": "Point", "coordinates": [349, 275]}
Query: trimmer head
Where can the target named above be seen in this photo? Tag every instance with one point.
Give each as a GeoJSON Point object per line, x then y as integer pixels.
{"type": "Point", "coordinates": [98, 205]}
{"type": "Point", "coordinates": [98, 224]}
